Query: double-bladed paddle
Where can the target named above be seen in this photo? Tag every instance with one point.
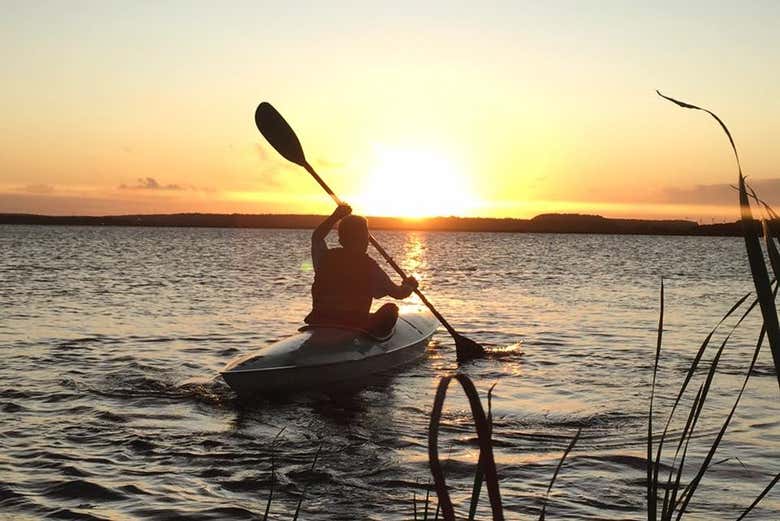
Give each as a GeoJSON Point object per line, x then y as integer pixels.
{"type": "Point", "coordinates": [282, 137]}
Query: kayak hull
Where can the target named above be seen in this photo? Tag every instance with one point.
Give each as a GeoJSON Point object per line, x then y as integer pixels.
{"type": "Point", "coordinates": [328, 357]}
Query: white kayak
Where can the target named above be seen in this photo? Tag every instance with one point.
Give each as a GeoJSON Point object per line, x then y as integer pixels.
{"type": "Point", "coordinates": [324, 357]}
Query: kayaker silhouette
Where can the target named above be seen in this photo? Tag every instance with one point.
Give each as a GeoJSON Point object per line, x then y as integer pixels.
{"type": "Point", "coordinates": [347, 279]}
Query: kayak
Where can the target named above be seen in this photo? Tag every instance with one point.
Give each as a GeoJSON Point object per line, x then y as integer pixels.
{"type": "Point", "coordinates": [326, 356]}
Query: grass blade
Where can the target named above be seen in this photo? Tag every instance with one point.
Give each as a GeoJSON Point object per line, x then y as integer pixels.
{"type": "Point", "coordinates": [273, 474]}
{"type": "Point", "coordinates": [768, 209]}
{"type": "Point", "coordinates": [722, 125]}
{"type": "Point", "coordinates": [414, 499]}
{"type": "Point", "coordinates": [427, 500]}
{"type": "Point", "coordinates": [771, 248]}
{"type": "Point", "coordinates": [689, 374]}
{"type": "Point", "coordinates": [652, 490]}
{"type": "Point", "coordinates": [478, 475]}
{"type": "Point", "coordinates": [485, 446]}
{"type": "Point", "coordinates": [753, 246]}
{"type": "Point", "coordinates": [705, 465]}
{"type": "Point", "coordinates": [698, 404]}
{"type": "Point", "coordinates": [475, 491]}
{"type": "Point", "coordinates": [270, 491]}
{"type": "Point", "coordinates": [555, 474]}
{"type": "Point", "coordinates": [760, 497]}
{"type": "Point", "coordinates": [760, 277]}
{"type": "Point", "coordinates": [303, 493]}
{"type": "Point", "coordinates": [667, 509]}
{"type": "Point", "coordinates": [715, 361]}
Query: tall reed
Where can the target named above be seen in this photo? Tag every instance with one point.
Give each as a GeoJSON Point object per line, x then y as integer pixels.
{"type": "Point", "coordinates": [679, 486]}
{"type": "Point", "coordinates": [677, 498]}
{"type": "Point", "coordinates": [486, 465]}
{"type": "Point", "coordinates": [753, 245]}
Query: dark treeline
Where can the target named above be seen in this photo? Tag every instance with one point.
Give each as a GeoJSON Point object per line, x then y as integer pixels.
{"type": "Point", "coordinates": [546, 223]}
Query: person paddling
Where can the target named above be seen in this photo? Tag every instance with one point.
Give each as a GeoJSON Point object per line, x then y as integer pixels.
{"type": "Point", "coordinates": [347, 279]}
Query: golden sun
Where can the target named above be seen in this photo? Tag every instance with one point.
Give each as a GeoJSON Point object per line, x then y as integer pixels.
{"type": "Point", "coordinates": [414, 183]}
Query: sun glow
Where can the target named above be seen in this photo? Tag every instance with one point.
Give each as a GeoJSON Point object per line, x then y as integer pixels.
{"type": "Point", "coordinates": [414, 183]}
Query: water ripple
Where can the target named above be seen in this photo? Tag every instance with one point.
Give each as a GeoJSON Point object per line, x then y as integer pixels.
{"type": "Point", "coordinates": [113, 407]}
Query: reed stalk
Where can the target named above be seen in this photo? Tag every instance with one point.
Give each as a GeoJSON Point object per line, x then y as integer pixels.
{"type": "Point", "coordinates": [752, 245]}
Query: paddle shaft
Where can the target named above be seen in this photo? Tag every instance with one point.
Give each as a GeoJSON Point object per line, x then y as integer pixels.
{"type": "Point", "coordinates": [384, 254]}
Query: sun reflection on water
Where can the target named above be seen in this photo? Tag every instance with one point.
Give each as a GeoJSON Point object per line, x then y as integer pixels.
{"type": "Point", "coordinates": [414, 264]}
{"type": "Point", "coordinates": [414, 253]}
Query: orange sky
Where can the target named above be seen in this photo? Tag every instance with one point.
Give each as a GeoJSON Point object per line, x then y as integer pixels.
{"type": "Point", "coordinates": [509, 110]}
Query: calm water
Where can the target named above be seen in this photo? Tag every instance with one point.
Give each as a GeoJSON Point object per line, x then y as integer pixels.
{"type": "Point", "coordinates": [112, 338]}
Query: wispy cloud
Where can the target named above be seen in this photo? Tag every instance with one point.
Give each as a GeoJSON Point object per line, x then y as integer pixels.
{"type": "Point", "coordinates": [37, 189]}
{"type": "Point", "coordinates": [150, 183]}
{"type": "Point", "coordinates": [720, 194]}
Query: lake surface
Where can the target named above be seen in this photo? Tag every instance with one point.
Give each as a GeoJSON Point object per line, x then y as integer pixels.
{"type": "Point", "coordinates": [112, 408]}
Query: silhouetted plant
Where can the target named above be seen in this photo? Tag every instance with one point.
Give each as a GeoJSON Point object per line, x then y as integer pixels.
{"type": "Point", "coordinates": [486, 465]}
{"type": "Point", "coordinates": [676, 497]}
{"type": "Point", "coordinates": [753, 245]}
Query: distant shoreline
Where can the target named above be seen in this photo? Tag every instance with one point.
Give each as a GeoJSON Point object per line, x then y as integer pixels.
{"type": "Point", "coordinates": [545, 223]}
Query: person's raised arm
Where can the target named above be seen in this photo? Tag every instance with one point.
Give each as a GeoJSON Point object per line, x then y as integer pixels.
{"type": "Point", "coordinates": [382, 286]}
{"type": "Point", "coordinates": [318, 245]}
{"type": "Point", "coordinates": [403, 290]}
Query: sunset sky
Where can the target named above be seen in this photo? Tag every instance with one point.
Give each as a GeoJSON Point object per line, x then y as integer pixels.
{"type": "Point", "coordinates": [504, 109]}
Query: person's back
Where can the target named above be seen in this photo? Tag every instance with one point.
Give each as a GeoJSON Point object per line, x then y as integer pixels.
{"type": "Point", "coordinates": [341, 292]}
{"type": "Point", "coordinates": [346, 279]}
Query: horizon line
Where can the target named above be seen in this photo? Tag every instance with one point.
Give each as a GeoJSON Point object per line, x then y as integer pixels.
{"type": "Point", "coordinates": [400, 218]}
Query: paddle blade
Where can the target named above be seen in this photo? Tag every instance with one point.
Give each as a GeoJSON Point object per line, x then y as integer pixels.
{"type": "Point", "coordinates": [278, 133]}
{"type": "Point", "coordinates": [467, 349]}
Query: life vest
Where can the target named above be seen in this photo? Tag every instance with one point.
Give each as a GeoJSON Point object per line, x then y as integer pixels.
{"type": "Point", "coordinates": [341, 292]}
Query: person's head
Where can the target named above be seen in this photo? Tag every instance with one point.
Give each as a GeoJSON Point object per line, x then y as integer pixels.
{"type": "Point", "coordinates": [353, 233]}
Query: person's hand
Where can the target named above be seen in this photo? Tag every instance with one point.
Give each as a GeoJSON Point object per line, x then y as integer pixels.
{"type": "Point", "coordinates": [410, 283]}
{"type": "Point", "coordinates": [342, 211]}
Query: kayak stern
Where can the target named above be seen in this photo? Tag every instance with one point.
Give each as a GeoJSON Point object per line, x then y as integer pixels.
{"type": "Point", "coordinates": [324, 357]}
